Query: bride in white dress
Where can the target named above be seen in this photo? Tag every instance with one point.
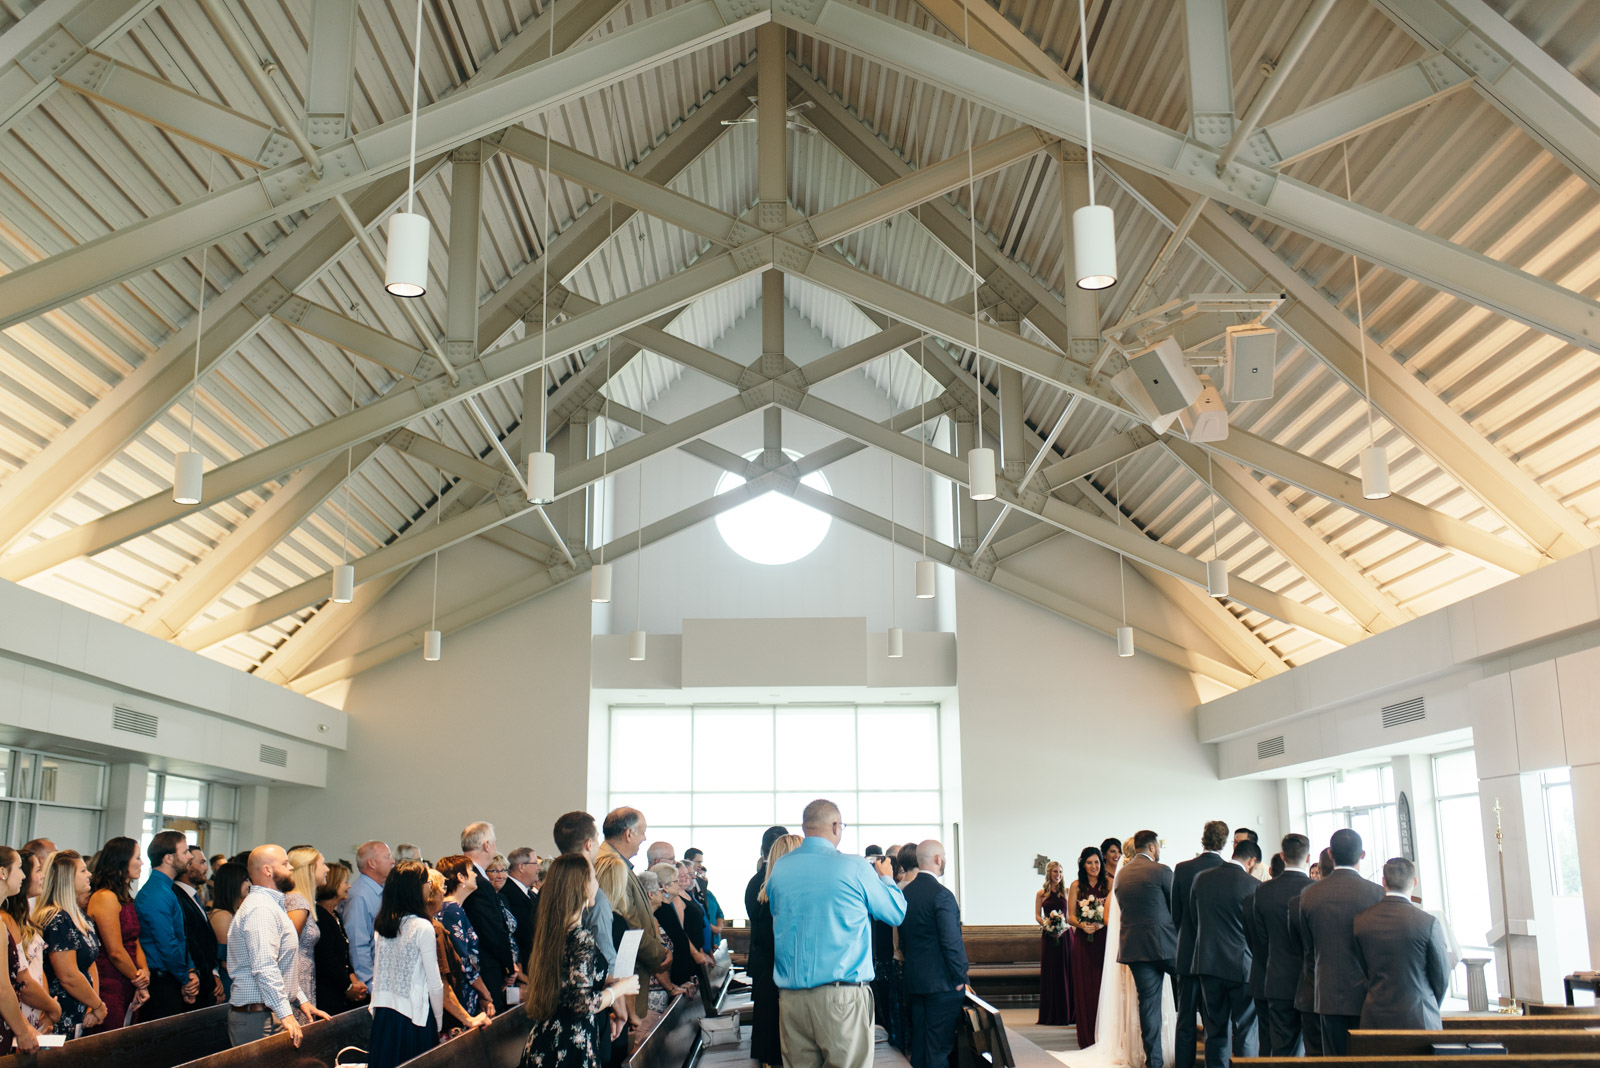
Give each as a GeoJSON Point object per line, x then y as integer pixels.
{"type": "Point", "coordinates": [1118, 1043]}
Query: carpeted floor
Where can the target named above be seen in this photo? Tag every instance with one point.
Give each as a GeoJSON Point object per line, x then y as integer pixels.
{"type": "Point", "coordinates": [1050, 1039]}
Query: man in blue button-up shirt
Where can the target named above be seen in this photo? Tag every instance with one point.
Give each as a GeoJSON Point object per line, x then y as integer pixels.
{"type": "Point", "coordinates": [374, 861]}
{"type": "Point", "coordinates": [822, 904]}
{"type": "Point", "coordinates": [173, 983]}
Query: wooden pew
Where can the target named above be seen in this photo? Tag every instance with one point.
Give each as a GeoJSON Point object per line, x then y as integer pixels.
{"type": "Point", "coordinates": [1519, 1023]}
{"type": "Point", "coordinates": [1516, 1041]}
{"type": "Point", "coordinates": [157, 1044]}
{"type": "Point", "coordinates": [674, 1038]}
{"type": "Point", "coordinates": [1002, 961]}
{"type": "Point", "coordinates": [497, 1046]}
{"type": "Point", "coordinates": [320, 1043]}
{"type": "Point", "coordinates": [1531, 1060]}
{"type": "Point", "coordinates": [1537, 1008]}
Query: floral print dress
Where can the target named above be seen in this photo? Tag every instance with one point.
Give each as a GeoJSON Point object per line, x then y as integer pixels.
{"type": "Point", "coordinates": [567, 1039]}
{"type": "Point", "coordinates": [465, 940]}
{"type": "Point", "coordinates": [61, 935]}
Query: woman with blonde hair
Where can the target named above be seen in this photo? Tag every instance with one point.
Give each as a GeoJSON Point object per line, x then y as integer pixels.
{"type": "Point", "coordinates": [766, 1046]}
{"type": "Point", "coordinates": [1055, 951]}
{"type": "Point", "coordinates": [310, 872]}
{"type": "Point", "coordinates": [70, 943]}
{"type": "Point", "coordinates": [567, 984]}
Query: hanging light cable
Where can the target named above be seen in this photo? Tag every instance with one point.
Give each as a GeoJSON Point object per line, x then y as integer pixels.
{"type": "Point", "coordinates": [600, 573]}
{"type": "Point", "coordinates": [980, 460]}
{"type": "Point", "coordinates": [1094, 229]}
{"type": "Point", "coordinates": [188, 469]}
{"type": "Point", "coordinates": [542, 463]}
{"type": "Point", "coordinates": [636, 639]}
{"type": "Point", "coordinates": [432, 640]}
{"type": "Point", "coordinates": [1124, 632]}
{"type": "Point", "coordinates": [1374, 459]}
{"type": "Point", "coordinates": [926, 587]}
{"type": "Point", "coordinates": [897, 637]}
{"type": "Point", "coordinates": [1216, 567]}
{"type": "Point", "coordinates": [405, 268]}
{"type": "Point", "coordinates": [344, 576]}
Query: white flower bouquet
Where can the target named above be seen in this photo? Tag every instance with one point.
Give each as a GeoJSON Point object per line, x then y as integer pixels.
{"type": "Point", "coordinates": [1055, 925]}
{"type": "Point", "coordinates": [1092, 910]}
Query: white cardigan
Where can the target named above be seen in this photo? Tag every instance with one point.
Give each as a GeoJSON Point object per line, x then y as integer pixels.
{"type": "Point", "coordinates": [405, 973]}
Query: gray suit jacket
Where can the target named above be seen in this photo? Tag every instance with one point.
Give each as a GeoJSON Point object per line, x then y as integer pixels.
{"type": "Point", "coordinates": [1283, 953]}
{"type": "Point", "coordinates": [1216, 912]}
{"type": "Point", "coordinates": [1183, 877]}
{"type": "Point", "coordinates": [1407, 964]}
{"type": "Point", "coordinates": [1144, 903]}
{"type": "Point", "coordinates": [1328, 911]}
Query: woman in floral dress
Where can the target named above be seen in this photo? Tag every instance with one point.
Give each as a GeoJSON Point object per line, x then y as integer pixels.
{"type": "Point", "coordinates": [567, 983]}
{"type": "Point", "coordinates": [460, 880]}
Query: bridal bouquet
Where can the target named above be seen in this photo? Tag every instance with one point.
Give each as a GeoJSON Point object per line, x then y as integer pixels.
{"type": "Point", "coordinates": [1092, 910]}
{"type": "Point", "coordinates": [1055, 925]}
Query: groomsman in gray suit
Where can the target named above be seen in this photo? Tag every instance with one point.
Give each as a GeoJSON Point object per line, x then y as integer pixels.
{"type": "Point", "coordinates": [1222, 956]}
{"type": "Point", "coordinates": [1328, 911]}
{"type": "Point", "coordinates": [1405, 957]}
{"type": "Point", "coordinates": [1284, 957]}
{"type": "Point", "coordinates": [1212, 838]}
{"type": "Point", "coordinates": [1148, 942]}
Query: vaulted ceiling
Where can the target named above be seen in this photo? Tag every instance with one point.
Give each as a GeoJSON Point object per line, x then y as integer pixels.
{"type": "Point", "coordinates": [324, 406]}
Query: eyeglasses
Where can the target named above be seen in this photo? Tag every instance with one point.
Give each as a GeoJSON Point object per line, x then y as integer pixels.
{"type": "Point", "coordinates": [497, 871]}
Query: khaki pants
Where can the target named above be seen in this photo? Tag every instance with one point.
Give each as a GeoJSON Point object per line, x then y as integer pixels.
{"type": "Point", "coordinates": [246, 1027]}
{"type": "Point", "coordinates": [826, 1027]}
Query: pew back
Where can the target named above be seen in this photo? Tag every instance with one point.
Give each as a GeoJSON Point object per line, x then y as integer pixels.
{"type": "Point", "coordinates": [497, 1046]}
{"type": "Point", "coordinates": [320, 1043]}
{"type": "Point", "coordinates": [157, 1044]}
{"type": "Point", "coordinates": [1532, 1060]}
{"type": "Point", "coordinates": [1519, 1023]}
{"type": "Point", "coordinates": [673, 1039]}
{"type": "Point", "coordinates": [1536, 1008]}
{"type": "Point", "coordinates": [1520, 1040]}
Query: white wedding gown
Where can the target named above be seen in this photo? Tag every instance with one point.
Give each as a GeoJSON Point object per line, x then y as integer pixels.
{"type": "Point", "coordinates": [1118, 1043]}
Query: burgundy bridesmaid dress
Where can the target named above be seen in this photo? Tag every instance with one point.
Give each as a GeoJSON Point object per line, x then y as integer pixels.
{"type": "Point", "coordinates": [1055, 992]}
{"type": "Point", "coordinates": [1088, 965]}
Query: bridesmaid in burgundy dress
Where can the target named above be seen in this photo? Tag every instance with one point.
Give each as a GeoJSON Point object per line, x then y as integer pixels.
{"type": "Point", "coordinates": [124, 975]}
{"type": "Point", "coordinates": [1088, 941]}
{"type": "Point", "coordinates": [1055, 993]}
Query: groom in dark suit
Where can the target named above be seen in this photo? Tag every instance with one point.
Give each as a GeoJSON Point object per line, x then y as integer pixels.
{"type": "Point", "coordinates": [1328, 911]}
{"type": "Point", "coordinates": [1212, 838]}
{"type": "Point", "coordinates": [1222, 956]}
{"type": "Point", "coordinates": [936, 960]}
{"type": "Point", "coordinates": [1404, 955]}
{"type": "Point", "coordinates": [1148, 941]}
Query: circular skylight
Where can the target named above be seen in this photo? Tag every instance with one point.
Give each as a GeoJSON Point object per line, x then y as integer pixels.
{"type": "Point", "coordinates": [774, 528]}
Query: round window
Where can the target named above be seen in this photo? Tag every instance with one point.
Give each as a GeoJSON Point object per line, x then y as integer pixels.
{"type": "Point", "coordinates": [774, 528]}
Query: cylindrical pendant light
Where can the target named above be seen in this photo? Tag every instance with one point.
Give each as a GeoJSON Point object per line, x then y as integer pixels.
{"type": "Point", "coordinates": [1094, 246]}
{"type": "Point", "coordinates": [344, 583]}
{"type": "Point", "coordinates": [1217, 577]}
{"type": "Point", "coordinates": [405, 265]}
{"type": "Point", "coordinates": [980, 472]}
{"type": "Point", "coordinates": [636, 645]}
{"type": "Point", "coordinates": [541, 477]}
{"type": "Point", "coordinates": [405, 269]}
{"type": "Point", "coordinates": [432, 645]}
{"type": "Point", "coordinates": [897, 643]}
{"type": "Point", "coordinates": [925, 579]}
{"type": "Point", "coordinates": [1094, 230]}
{"type": "Point", "coordinates": [1374, 473]}
{"type": "Point", "coordinates": [600, 584]}
{"type": "Point", "coordinates": [1124, 641]}
{"type": "Point", "coordinates": [188, 478]}
{"type": "Point", "coordinates": [188, 469]}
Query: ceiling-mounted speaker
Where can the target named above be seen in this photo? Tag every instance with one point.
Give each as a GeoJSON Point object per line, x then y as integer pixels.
{"type": "Point", "coordinates": [1208, 414]}
{"type": "Point", "coordinates": [1252, 356]}
{"type": "Point", "coordinates": [1127, 383]}
{"type": "Point", "coordinates": [1167, 377]}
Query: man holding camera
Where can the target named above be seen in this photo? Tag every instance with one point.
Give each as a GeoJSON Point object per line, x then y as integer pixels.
{"type": "Point", "coordinates": [822, 902]}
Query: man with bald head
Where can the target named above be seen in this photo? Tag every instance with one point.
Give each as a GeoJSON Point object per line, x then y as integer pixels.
{"type": "Point", "coordinates": [374, 861]}
{"type": "Point", "coordinates": [936, 960]}
{"type": "Point", "coordinates": [823, 902]}
{"type": "Point", "coordinates": [261, 952]}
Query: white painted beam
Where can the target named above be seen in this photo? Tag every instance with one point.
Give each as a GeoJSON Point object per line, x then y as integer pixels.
{"type": "Point", "coordinates": [772, 128]}
{"type": "Point", "coordinates": [50, 38]}
{"type": "Point", "coordinates": [1528, 84]}
{"type": "Point", "coordinates": [1262, 192]}
{"type": "Point", "coordinates": [452, 121]}
{"type": "Point", "coordinates": [357, 338]}
{"type": "Point", "coordinates": [331, 78]}
{"type": "Point", "coordinates": [1210, 65]}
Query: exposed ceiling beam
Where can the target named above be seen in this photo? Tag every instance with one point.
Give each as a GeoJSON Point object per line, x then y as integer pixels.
{"type": "Point", "coordinates": [1313, 320]}
{"type": "Point", "coordinates": [55, 34]}
{"type": "Point", "coordinates": [989, 31]}
{"type": "Point", "coordinates": [1524, 81]}
{"type": "Point", "coordinates": [1210, 66]}
{"type": "Point", "coordinates": [330, 76]}
{"type": "Point", "coordinates": [288, 188]}
{"type": "Point", "coordinates": [1262, 192]}
{"type": "Point", "coordinates": [233, 316]}
{"type": "Point", "coordinates": [393, 410]}
{"type": "Point", "coordinates": [358, 339]}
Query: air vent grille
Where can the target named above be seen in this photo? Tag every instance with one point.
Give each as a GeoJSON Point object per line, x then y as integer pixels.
{"type": "Point", "coordinates": [1271, 747]}
{"type": "Point", "coordinates": [132, 722]}
{"type": "Point", "coordinates": [1405, 712]}
{"type": "Point", "coordinates": [271, 754]}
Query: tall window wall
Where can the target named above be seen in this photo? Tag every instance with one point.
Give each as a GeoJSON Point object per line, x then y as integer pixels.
{"type": "Point", "coordinates": [1363, 800]}
{"type": "Point", "coordinates": [206, 812]}
{"type": "Point", "coordinates": [714, 777]}
{"type": "Point", "coordinates": [47, 796]}
{"type": "Point", "coordinates": [1462, 861]}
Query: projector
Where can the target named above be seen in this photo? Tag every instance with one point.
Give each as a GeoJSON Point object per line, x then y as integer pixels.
{"type": "Point", "coordinates": [1166, 377]}
{"type": "Point", "coordinates": [1252, 351]}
